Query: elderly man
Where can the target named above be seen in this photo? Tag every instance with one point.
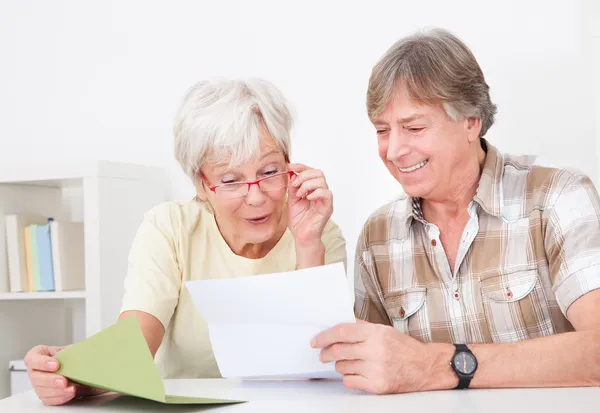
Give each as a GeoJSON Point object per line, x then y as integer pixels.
{"type": "Point", "coordinates": [487, 273]}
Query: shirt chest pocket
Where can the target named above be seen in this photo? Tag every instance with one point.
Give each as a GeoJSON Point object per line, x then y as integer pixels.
{"type": "Point", "coordinates": [407, 311]}
{"type": "Point", "coordinates": [515, 306]}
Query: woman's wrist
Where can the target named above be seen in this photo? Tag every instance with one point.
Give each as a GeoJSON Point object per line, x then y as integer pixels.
{"type": "Point", "coordinates": [310, 254]}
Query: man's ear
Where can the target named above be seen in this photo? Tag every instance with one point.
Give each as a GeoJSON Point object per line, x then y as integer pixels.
{"type": "Point", "coordinates": [473, 128]}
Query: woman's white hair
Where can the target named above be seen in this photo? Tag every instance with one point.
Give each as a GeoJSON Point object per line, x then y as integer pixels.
{"type": "Point", "coordinates": [224, 118]}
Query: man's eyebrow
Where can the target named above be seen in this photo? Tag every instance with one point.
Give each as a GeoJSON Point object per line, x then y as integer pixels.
{"type": "Point", "coordinates": [407, 119]}
{"type": "Point", "coordinates": [410, 118]}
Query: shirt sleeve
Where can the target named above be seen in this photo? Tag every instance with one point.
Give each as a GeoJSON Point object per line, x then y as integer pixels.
{"type": "Point", "coordinates": [367, 290]}
{"type": "Point", "coordinates": [335, 244]}
{"type": "Point", "coordinates": [572, 240]}
{"type": "Point", "coordinates": [153, 279]}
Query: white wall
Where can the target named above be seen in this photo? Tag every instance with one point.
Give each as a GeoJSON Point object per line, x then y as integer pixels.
{"type": "Point", "coordinates": [102, 79]}
{"type": "Point", "coordinates": [593, 11]}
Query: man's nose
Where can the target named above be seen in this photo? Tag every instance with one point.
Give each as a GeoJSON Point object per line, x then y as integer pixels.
{"type": "Point", "coordinates": [397, 145]}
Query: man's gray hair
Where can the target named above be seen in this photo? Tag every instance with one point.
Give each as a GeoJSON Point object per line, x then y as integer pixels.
{"type": "Point", "coordinates": [223, 118]}
{"type": "Point", "coordinates": [437, 68]}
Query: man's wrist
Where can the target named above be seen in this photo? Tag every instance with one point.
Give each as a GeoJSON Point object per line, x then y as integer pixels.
{"type": "Point", "coordinates": [440, 376]}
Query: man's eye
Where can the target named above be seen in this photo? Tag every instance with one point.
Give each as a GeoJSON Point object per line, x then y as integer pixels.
{"type": "Point", "coordinates": [415, 129]}
{"type": "Point", "coordinates": [381, 131]}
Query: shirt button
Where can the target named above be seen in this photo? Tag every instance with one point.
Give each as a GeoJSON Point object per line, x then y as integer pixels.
{"type": "Point", "coordinates": [457, 295]}
{"type": "Point", "coordinates": [433, 242]}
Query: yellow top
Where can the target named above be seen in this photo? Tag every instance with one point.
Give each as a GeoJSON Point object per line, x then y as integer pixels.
{"type": "Point", "coordinates": [178, 242]}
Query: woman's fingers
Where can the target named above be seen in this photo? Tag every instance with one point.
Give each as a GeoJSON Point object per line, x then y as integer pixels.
{"type": "Point", "coordinates": [39, 358]}
{"type": "Point", "coordinates": [54, 394]}
{"type": "Point", "coordinates": [58, 400]}
{"type": "Point", "coordinates": [298, 167]}
{"type": "Point", "coordinates": [48, 380]}
{"type": "Point", "coordinates": [306, 176]}
{"type": "Point", "coordinates": [323, 194]}
{"type": "Point", "coordinates": [52, 388]}
{"type": "Point", "coordinates": [311, 185]}
{"type": "Point", "coordinates": [51, 393]}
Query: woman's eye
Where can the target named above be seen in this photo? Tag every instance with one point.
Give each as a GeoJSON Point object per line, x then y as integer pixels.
{"type": "Point", "coordinates": [270, 172]}
{"type": "Point", "coordinates": [228, 180]}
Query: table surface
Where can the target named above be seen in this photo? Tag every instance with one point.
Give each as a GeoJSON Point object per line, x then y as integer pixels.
{"type": "Point", "coordinates": [325, 396]}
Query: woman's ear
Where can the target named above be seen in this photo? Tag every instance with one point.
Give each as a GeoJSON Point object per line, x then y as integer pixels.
{"type": "Point", "coordinates": [201, 188]}
{"type": "Point", "coordinates": [201, 194]}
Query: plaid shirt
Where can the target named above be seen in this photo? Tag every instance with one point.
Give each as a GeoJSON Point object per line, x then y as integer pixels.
{"type": "Point", "coordinates": [530, 249]}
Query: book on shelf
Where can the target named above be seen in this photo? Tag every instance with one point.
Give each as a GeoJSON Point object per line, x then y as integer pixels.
{"type": "Point", "coordinates": [16, 240]}
{"type": "Point", "coordinates": [44, 254]}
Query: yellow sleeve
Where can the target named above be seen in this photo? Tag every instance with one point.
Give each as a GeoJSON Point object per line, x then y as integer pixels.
{"type": "Point", "coordinates": [335, 244]}
{"type": "Point", "coordinates": [153, 280]}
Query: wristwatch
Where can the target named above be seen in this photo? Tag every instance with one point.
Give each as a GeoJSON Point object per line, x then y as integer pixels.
{"type": "Point", "coordinates": [464, 365]}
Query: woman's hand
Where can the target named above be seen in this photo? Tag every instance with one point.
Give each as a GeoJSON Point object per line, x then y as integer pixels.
{"type": "Point", "coordinates": [310, 205]}
{"type": "Point", "coordinates": [52, 388]}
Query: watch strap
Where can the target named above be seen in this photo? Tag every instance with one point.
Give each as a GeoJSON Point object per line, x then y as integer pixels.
{"type": "Point", "coordinates": [463, 379]}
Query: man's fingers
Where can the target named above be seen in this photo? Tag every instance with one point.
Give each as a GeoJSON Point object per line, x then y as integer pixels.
{"type": "Point", "coordinates": [344, 351]}
{"type": "Point", "coordinates": [355, 381]}
{"type": "Point", "coordinates": [351, 367]}
{"type": "Point", "coordinates": [341, 333]}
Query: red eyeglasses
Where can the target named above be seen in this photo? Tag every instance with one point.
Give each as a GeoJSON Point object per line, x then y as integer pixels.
{"type": "Point", "coordinates": [240, 189]}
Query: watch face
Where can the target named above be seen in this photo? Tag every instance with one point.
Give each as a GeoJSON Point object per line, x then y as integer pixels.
{"type": "Point", "coordinates": [465, 363]}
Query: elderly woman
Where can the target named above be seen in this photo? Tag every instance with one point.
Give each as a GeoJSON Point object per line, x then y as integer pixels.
{"type": "Point", "coordinates": [254, 213]}
{"type": "Point", "coordinates": [487, 273]}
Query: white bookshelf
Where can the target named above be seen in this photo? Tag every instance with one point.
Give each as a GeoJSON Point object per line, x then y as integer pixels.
{"type": "Point", "coordinates": [46, 295]}
{"type": "Point", "coordinates": [110, 198]}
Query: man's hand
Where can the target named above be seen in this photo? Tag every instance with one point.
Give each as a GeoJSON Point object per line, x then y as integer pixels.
{"type": "Point", "coordinates": [379, 359]}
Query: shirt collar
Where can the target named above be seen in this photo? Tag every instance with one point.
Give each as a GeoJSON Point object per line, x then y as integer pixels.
{"type": "Point", "coordinates": [489, 194]}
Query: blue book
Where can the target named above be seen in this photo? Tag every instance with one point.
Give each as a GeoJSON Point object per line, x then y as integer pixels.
{"type": "Point", "coordinates": [44, 249]}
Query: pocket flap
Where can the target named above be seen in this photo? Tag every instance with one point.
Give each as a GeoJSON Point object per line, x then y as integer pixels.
{"type": "Point", "coordinates": [509, 287]}
{"type": "Point", "coordinates": [402, 304]}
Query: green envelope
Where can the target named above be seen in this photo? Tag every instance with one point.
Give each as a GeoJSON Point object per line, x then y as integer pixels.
{"type": "Point", "coordinates": [118, 359]}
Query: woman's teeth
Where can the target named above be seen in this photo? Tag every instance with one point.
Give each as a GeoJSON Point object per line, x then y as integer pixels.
{"type": "Point", "coordinates": [259, 220]}
{"type": "Point", "coordinates": [414, 167]}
